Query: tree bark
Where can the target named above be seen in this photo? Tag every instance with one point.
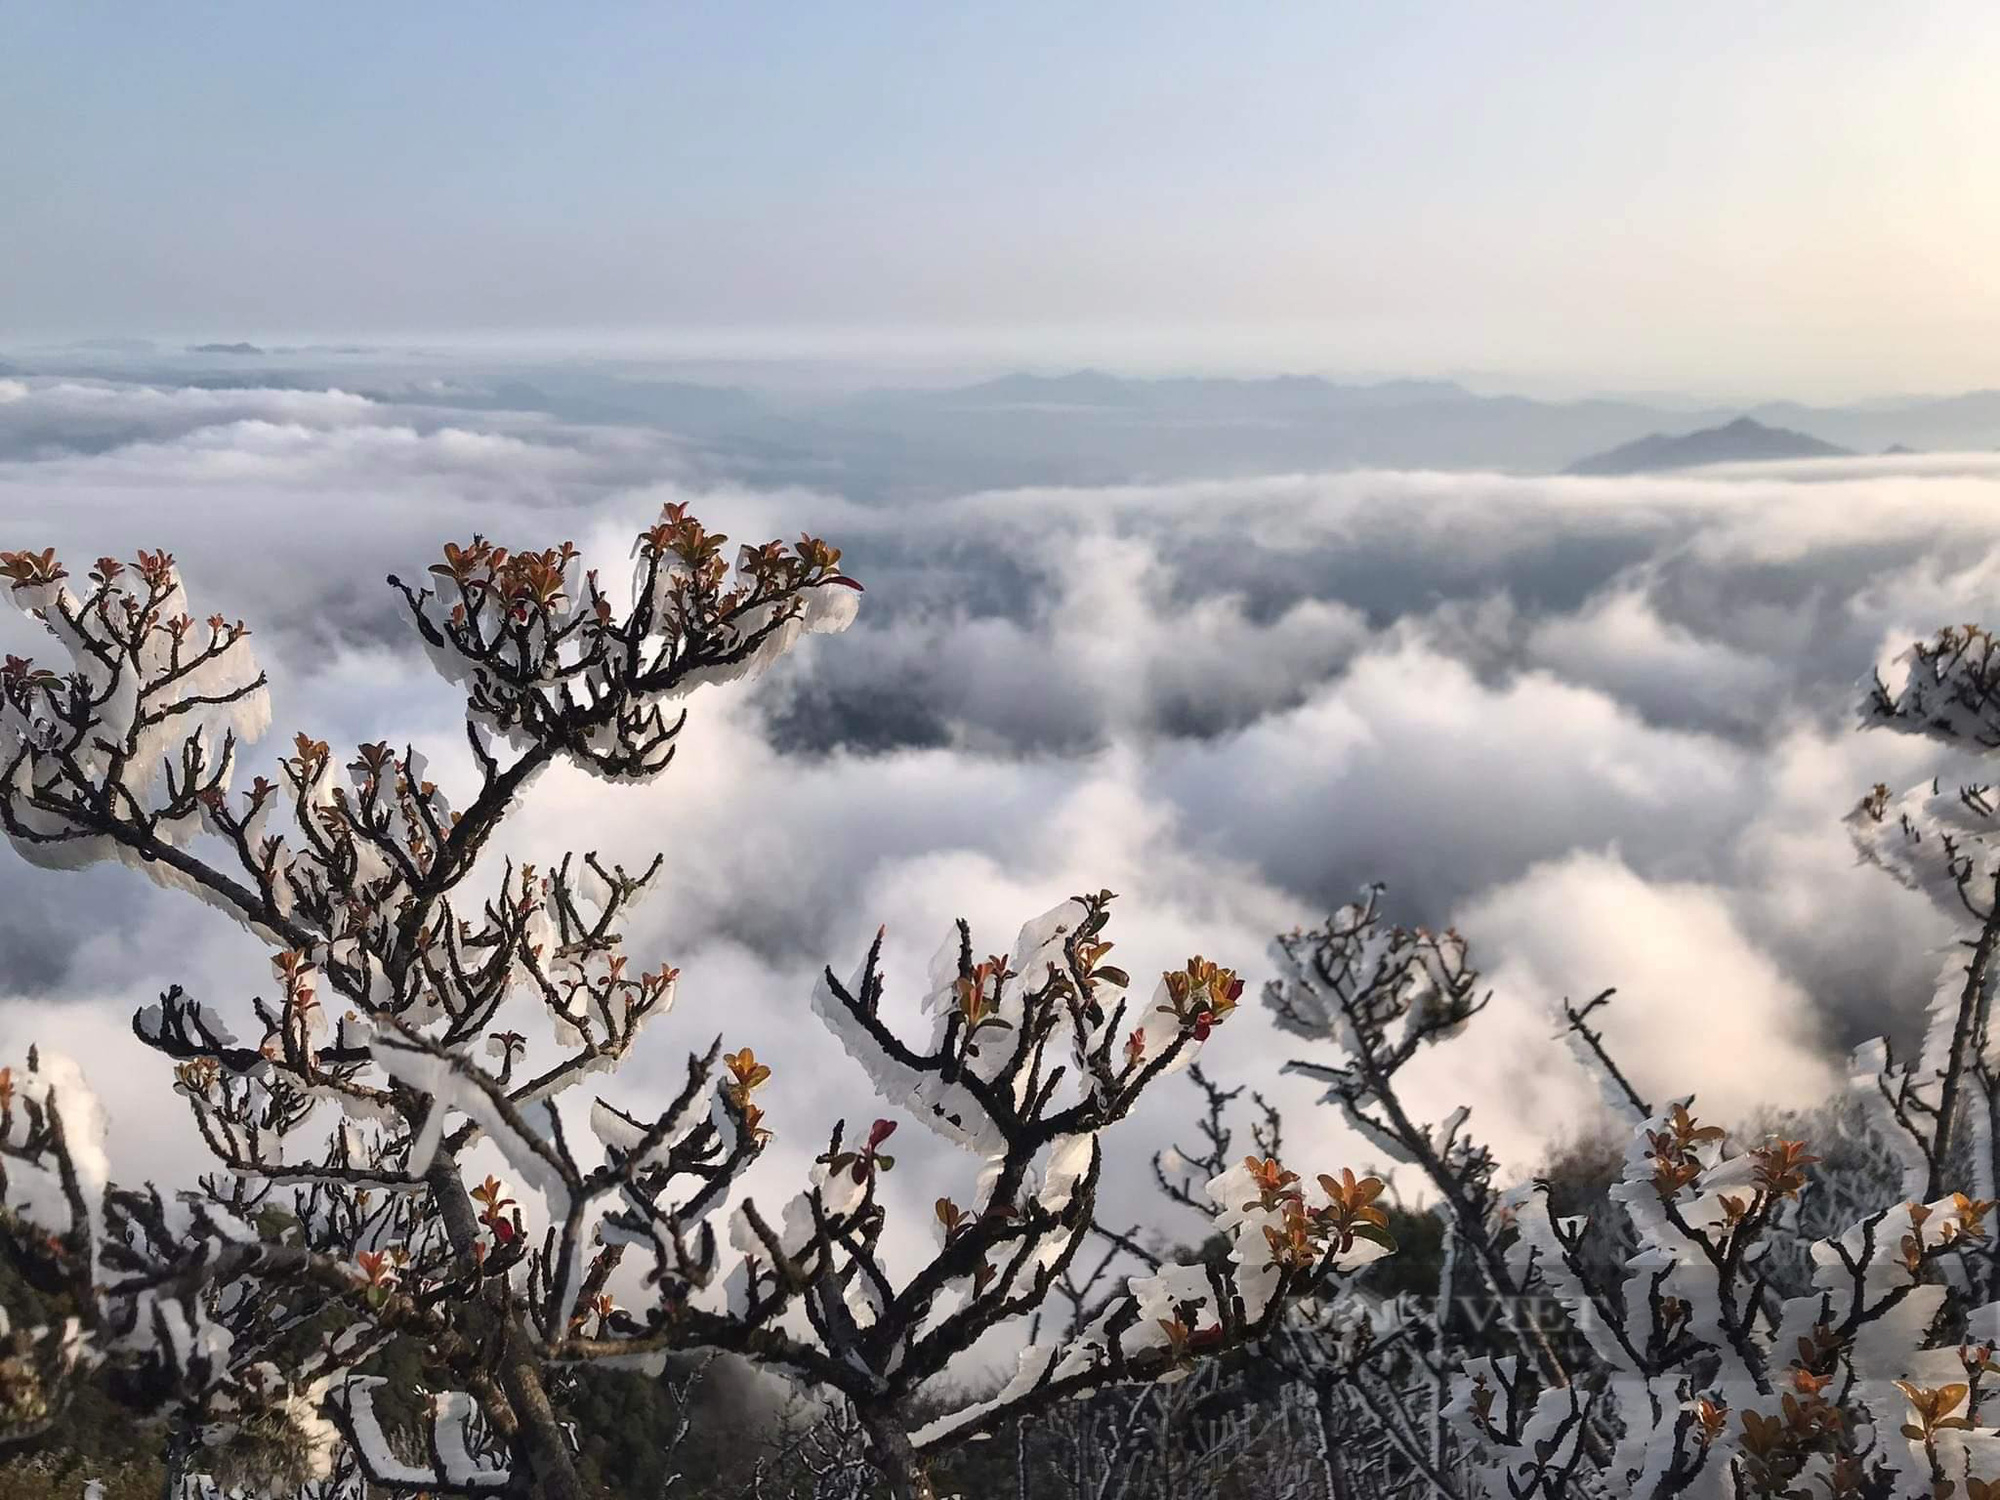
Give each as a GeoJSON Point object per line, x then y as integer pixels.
{"type": "Point", "coordinates": [1326, 1439]}
{"type": "Point", "coordinates": [897, 1459]}
{"type": "Point", "coordinates": [539, 1436]}
{"type": "Point", "coordinates": [178, 1447]}
{"type": "Point", "coordinates": [1967, 1033]}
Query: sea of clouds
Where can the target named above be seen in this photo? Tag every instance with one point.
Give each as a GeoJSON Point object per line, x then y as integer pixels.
{"type": "Point", "coordinates": [1604, 726]}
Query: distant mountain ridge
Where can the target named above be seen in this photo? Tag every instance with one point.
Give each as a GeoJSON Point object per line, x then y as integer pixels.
{"type": "Point", "coordinates": [1744, 440]}
{"type": "Point", "coordinates": [1272, 394]}
{"type": "Point", "coordinates": [1078, 428]}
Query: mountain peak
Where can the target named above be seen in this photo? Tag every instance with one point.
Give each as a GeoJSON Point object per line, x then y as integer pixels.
{"type": "Point", "coordinates": [1744, 440]}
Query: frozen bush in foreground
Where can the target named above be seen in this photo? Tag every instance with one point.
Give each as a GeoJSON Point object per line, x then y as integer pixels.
{"type": "Point", "coordinates": [421, 1004]}
{"type": "Point", "coordinates": [1676, 1341]}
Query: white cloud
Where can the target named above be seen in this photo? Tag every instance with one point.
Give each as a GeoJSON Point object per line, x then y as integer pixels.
{"type": "Point", "coordinates": [1230, 701]}
{"type": "Point", "coordinates": [1667, 672]}
{"type": "Point", "coordinates": [1701, 1008]}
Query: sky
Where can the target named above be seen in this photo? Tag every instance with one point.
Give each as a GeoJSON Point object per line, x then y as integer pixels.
{"type": "Point", "coordinates": [1781, 199]}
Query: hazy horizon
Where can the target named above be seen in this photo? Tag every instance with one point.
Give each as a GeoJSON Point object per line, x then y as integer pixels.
{"type": "Point", "coordinates": [815, 360]}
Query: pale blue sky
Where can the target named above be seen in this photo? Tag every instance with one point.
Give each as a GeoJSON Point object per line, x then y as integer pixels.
{"type": "Point", "coordinates": [1801, 198]}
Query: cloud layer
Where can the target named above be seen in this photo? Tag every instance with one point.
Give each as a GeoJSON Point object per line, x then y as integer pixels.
{"type": "Point", "coordinates": [1603, 725]}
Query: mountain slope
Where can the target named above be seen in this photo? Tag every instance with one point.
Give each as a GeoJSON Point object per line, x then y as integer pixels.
{"type": "Point", "coordinates": [1741, 441]}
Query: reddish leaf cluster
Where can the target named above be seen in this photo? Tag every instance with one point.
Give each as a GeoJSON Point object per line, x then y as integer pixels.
{"type": "Point", "coordinates": [745, 1075]}
{"type": "Point", "coordinates": [25, 569]}
{"type": "Point", "coordinates": [870, 1159]}
{"type": "Point", "coordinates": [1201, 996]}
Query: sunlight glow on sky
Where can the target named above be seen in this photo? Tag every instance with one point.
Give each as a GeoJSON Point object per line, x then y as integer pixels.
{"type": "Point", "coordinates": [1790, 198]}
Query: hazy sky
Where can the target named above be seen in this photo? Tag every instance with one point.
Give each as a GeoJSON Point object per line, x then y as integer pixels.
{"type": "Point", "coordinates": [1782, 198]}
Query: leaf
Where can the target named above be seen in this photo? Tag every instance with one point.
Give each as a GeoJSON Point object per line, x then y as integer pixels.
{"type": "Point", "coordinates": [1375, 1235]}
